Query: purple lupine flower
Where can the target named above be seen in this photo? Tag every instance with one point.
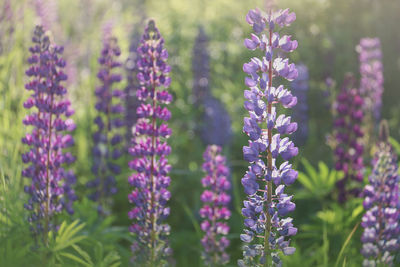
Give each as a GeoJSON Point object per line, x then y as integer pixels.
{"type": "Point", "coordinates": [50, 189]}
{"type": "Point", "coordinates": [215, 125]}
{"type": "Point", "coordinates": [201, 68]}
{"type": "Point", "coordinates": [348, 138]}
{"type": "Point", "coordinates": [267, 227]}
{"type": "Point", "coordinates": [371, 70]}
{"type": "Point", "coordinates": [150, 150]}
{"type": "Point", "coordinates": [381, 221]}
{"type": "Point", "coordinates": [215, 211]}
{"type": "Point", "coordinates": [108, 137]}
{"type": "Point", "coordinates": [300, 111]}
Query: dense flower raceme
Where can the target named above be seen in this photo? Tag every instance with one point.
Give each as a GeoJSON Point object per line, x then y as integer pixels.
{"type": "Point", "coordinates": [267, 227]}
{"type": "Point", "coordinates": [215, 124]}
{"type": "Point", "coordinates": [50, 189]}
{"type": "Point", "coordinates": [381, 221]}
{"type": "Point", "coordinates": [108, 137]}
{"type": "Point", "coordinates": [300, 111]}
{"type": "Point", "coordinates": [150, 150]}
{"type": "Point", "coordinates": [348, 138]}
{"type": "Point", "coordinates": [215, 211]}
{"type": "Point", "coordinates": [371, 70]}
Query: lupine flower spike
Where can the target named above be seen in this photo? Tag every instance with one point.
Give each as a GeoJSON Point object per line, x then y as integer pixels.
{"type": "Point", "coordinates": [300, 111]}
{"type": "Point", "coordinates": [348, 139]}
{"type": "Point", "coordinates": [381, 221]}
{"type": "Point", "coordinates": [371, 70]}
{"type": "Point", "coordinates": [108, 137]}
{"type": "Point", "coordinates": [267, 227]}
{"type": "Point", "coordinates": [215, 125]}
{"type": "Point", "coordinates": [150, 150]}
{"type": "Point", "coordinates": [50, 188]}
{"type": "Point", "coordinates": [215, 211]}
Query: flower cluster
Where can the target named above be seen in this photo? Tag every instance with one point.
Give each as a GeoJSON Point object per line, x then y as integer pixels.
{"type": "Point", "coordinates": [348, 138]}
{"type": "Point", "coordinates": [371, 70]}
{"type": "Point", "coordinates": [107, 139]}
{"type": "Point", "coordinates": [215, 126]}
{"type": "Point", "coordinates": [382, 218]}
{"type": "Point", "coordinates": [300, 111]}
{"type": "Point", "coordinates": [267, 227]}
{"type": "Point", "coordinates": [150, 150]}
{"type": "Point", "coordinates": [215, 211]}
{"type": "Point", "coordinates": [50, 188]}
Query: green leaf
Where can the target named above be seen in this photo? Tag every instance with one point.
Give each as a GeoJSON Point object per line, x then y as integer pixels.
{"type": "Point", "coordinates": [342, 250]}
{"type": "Point", "coordinates": [75, 258]}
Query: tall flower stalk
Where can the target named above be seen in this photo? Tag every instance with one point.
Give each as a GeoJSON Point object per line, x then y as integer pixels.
{"type": "Point", "coordinates": [371, 86]}
{"type": "Point", "coordinates": [371, 70]}
{"type": "Point", "coordinates": [108, 137]}
{"type": "Point", "coordinates": [300, 111]}
{"type": "Point", "coordinates": [150, 150]}
{"type": "Point", "coordinates": [381, 221]}
{"type": "Point", "coordinates": [267, 227]}
{"type": "Point", "coordinates": [215, 211]}
{"type": "Point", "coordinates": [50, 187]}
{"type": "Point", "coordinates": [215, 122]}
{"type": "Point", "coordinates": [348, 139]}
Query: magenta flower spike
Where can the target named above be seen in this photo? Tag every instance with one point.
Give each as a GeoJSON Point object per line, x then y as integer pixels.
{"type": "Point", "coordinates": [268, 230]}
{"type": "Point", "coordinates": [381, 221]}
{"type": "Point", "coordinates": [348, 134]}
{"type": "Point", "coordinates": [109, 120]}
{"type": "Point", "coordinates": [50, 187]}
{"type": "Point", "coordinates": [150, 149]}
{"type": "Point", "coordinates": [215, 211]}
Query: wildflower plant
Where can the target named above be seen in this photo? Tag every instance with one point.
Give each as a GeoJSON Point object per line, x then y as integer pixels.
{"type": "Point", "coordinates": [50, 187]}
{"type": "Point", "coordinates": [300, 111]}
{"type": "Point", "coordinates": [381, 221]}
{"type": "Point", "coordinates": [150, 150]}
{"type": "Point", "coordinates": [268, 230]}
{"type": "Point", "coordinates": [109, 120]}
{"type": "Point", "coordinates": [348, 139]}
{"type": "Point", "coordinates": [215, 126]}
{"type": "Point", "coordinates": [371, 70]}
{"type": "Point", "coordinates": [215, 211]}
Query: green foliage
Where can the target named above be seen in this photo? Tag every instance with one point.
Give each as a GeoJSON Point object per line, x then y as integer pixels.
{"type": "Point", "coordinates": [326, 46]}
{"type": "Point", "coordinates": [317, 182]}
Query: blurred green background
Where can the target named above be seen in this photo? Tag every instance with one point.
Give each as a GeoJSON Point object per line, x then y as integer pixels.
{"type": "Point", "coordinates": [327, 32]}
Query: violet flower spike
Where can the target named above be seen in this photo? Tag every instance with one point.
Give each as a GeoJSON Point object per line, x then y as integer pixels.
{"type": "Point", "coordinates": [300, 111]}
{"type": "Point", "coordinates": [215, 211]}
{"type": "Point", "coordinates": [267, 227]}
{"type": "Point", "coordinates": [381, 221]}
{"type": "Point", "coordinates": [348, 134]}
{"type": "Point", "coordinates": [149, 149]}
{"type": "Point", "coordinates": [215, 123]}
{"type": "Point", "coordinates": [50, 189]}
{"type": "Point", "coordinates": [109, 120]}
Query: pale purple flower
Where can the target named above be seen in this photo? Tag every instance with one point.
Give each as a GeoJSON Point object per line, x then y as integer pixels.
{"type": "Point", "coordinates": [267, 227]}
{"type": "Point", "coordinates": [381, 221]}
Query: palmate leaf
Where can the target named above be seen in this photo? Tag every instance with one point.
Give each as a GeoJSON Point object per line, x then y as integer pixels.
{"type": "Point", "coordinates": [317, 182]}
{"type": "Point", "coordinates": [66, 236]}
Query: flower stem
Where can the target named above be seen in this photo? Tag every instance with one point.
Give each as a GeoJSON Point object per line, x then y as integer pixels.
{"type": "Point", "coordinates": [269, 162]}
